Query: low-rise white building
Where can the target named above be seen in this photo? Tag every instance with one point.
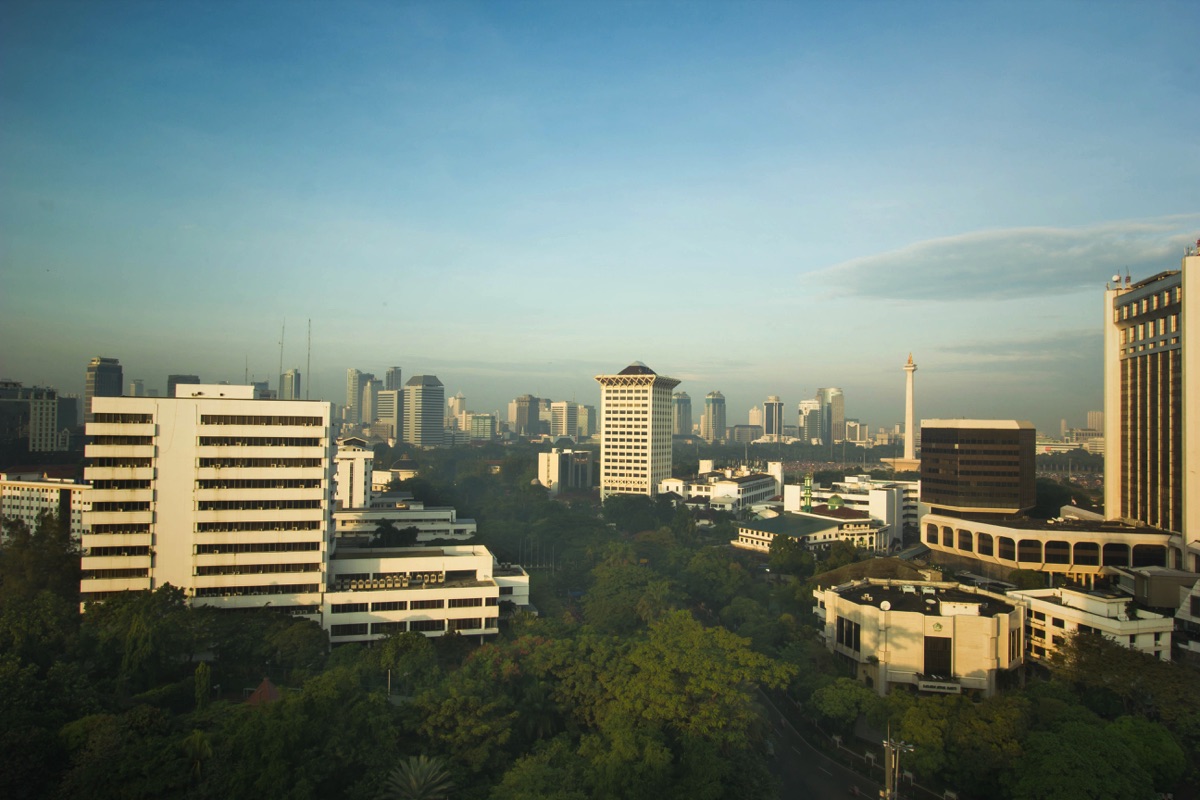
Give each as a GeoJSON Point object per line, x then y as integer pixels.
{"type": "Point", "coordinates": [434, 591]}
{"type": "Point", "coordinates": [895, 503]}
{"type": "Point", "coordinates": [729, 489]}
{"type": "Point", "coordinates": [26, 494]}
{"type": "Point", "coordinates": [1053, 614]}
{"type": "Point", "coordinates": [433, 522]}
{"type": "Point", "coordinates": [816, 530]}
{"type": "Point", "coordinates": [938, 637]}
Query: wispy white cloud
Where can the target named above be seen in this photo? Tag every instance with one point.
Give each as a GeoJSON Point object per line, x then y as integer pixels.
{"type": "Point", "coordinates": [1066, 352]}
{"type": "Point", "coordinates": [1014, 263]}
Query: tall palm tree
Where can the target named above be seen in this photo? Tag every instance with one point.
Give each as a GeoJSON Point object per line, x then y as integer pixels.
{"type": "Point", "coordinates": [418, 778]}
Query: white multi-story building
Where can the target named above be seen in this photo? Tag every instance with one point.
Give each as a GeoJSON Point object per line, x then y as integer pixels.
{"type": "Point", "coordinates": [355, 525]}
{"type": "Point", "coordinates": [817, 530]}
{"type": "Point", "coordinates": [561, 470]}
{"type": "Point", "coordinates": [564, 419]}
{"type": "Point", "coordinates": [896, 504]}
{"type": "Point", "coordinates": [730, 489]}
{"type": "Point", "coordinates": [433, 590]}
{"type": "Point", "coordinates": [224, 496]}
{"type": "Point", "coordinates": [424, 401]}
{"type": "Point", "coordinates": [230, 499]}
{"type": "Point", "coordinates": [25, 495]}
{"type": "Point", "coordinates": [635, 436]}
{"type": "Point", "coordinates": [938, 637]}
{"type": "Point", "coordinates": [353, 463]}
{"type": "Point", "coordinates": [1053, 614]}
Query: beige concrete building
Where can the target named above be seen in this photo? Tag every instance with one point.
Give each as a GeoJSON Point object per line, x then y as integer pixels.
{"type": "Point", "coordinates": [936, 637]}
{"type": "Point", "coordinates": [26, 494]}
{"type": "Point", "coordinates": [635, 430]}
{"type": "Point", "coordinates": [1053, 614]}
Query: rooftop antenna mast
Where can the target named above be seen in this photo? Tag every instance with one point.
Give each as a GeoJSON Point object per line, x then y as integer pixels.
{"type": "Point", "coordinates": [308, 362]}
{"type": "Point", "coordinates": [246, 374]}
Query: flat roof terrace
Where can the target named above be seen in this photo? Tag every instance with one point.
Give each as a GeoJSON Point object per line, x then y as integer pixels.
{"type": "Point", "coordinates": [922, 598]}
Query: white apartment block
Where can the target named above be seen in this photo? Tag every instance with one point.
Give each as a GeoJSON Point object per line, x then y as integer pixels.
{"type": "Point", "coordinates": [25, 495]}
{"type": "Point", "coordinates": [224, 496]}
{"type": "Point", "coordinates": [938, 637]}
{"type": "Point", "coordinates": [1053, 614]}
{"type": "Point", "coordinates": [635, 435]}
{"type": "Point", "coordinates": [354, 463]}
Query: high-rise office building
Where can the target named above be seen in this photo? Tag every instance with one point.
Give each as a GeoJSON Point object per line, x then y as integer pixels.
{"type": "Point", "coordinates": [176, 380]}
{"type": "Point", "coordinates": [681, 414]}
{"type": "Point", "coordinates": [809, 420]}
{"type": "Point", "coordinates": [104, 378]}
{"type": "Point", "coordinates": [424, 401]}
{"type": "Point", "coordinates": [833, 414]}
{"type": "Point", "coordinates": [1095, 420]}
{"type": "Point", "coordinates": [978, 467]}
{"type": "Point", "coordinates": [370, 400]}
{"type": "Point", "coordinates": [137, 388]}
{"type": "Point", "coordinates": [522, 415]}
{"type": "Point", "coordinates": [773, 418]}
{"type": "Point", "coordinates": [755, 419]}
{"type": "Point", "coordinates": [455, 408]}
{"type": "Point", "coordinates": [587, 422]}
{"type": "Point", "coordinates": [392, 380]}
{"type": "Point", "coordinates": [635, 435]}
{"type": "Point", "coordinates": [390, 411]}
{"type": "Point", "coordinates": [1151, 397]}
{"type": "Point", "coordinates": [564, 419]}
{"type": "Point", "coordinates": [289, 385]}
{"type": "Point", "coordinates": [712, 425]}
{"type": "Point", "coordinates": [355, 381]}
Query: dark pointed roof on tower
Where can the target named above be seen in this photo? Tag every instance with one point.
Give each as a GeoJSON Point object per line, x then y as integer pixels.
{"type": "Point", "coordinates": [637, 368]}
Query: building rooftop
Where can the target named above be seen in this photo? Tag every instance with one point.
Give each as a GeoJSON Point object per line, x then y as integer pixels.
{"type": "Point", "coordinates": [637, 368]}
{"type": "Point", "coordinates": [978, 424]}
{"type": "Point", "coordinates": [921, 598]}
{"type": "Point", "coordinates": [842, 512]}
{"type": "Point", "coordinates": [1063, 524]}
{"type": "Point", "coordinates": [787, 525]}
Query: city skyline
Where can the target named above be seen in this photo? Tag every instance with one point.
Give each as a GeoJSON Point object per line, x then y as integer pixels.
{"type": "Point", "coordinates": [180, 180]}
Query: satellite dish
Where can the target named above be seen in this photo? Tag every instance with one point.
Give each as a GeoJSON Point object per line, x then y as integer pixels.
{"type": "Point", "coordinates": [1116, 278]}
{"type": "Point", "coordinates": [886, 605]}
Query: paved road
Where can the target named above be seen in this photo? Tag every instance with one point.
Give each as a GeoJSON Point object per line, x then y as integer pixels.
{"type": "Point", "coordinates": [806, 773]}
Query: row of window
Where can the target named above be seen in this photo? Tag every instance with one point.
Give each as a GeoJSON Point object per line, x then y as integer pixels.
{"type": "Point", "coordinates": [249, 591]}
{"type": "Point", "coordinates": [255, 569]}
{"type": "Point", "coordinates": [123, 441]}
{"type": "Point", "coordinates": [259, 483]}
{"type": "Point", "coordinates": [122, 506]}
{"type": "Point", "coordinates": [256, 505]}
{"type": "Point", "coordinates": [256, 441]}
{"type": "Point", "coordinates": [256, 547]}
{"type": "Point", "coordinates": [250, 463]}
{"type": "Point", "coordinates": [245, 419]}
{"type": "Point", "coordinates": [123, 419]}
{"type": "Point", "coordinates": [127, 461]}
{"type": "Point", "coordinates": [109, 574]}
{"type": "Point", "coordinates": [237, 526]}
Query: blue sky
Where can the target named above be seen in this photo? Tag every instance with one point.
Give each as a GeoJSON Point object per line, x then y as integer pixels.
{"type": "Point", "coordinates": [761, 198]}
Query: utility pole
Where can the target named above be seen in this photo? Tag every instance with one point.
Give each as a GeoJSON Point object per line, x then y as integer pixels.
{"type": "Point", "coordinates": [892, 749]}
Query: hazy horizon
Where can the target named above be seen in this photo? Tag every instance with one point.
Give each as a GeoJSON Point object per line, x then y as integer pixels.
{"type": "Point", "coordinates": [757, 198]}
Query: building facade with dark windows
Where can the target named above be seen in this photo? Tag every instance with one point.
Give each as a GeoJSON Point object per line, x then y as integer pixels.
{"type": "Point", "coordinates": [978, 467]}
